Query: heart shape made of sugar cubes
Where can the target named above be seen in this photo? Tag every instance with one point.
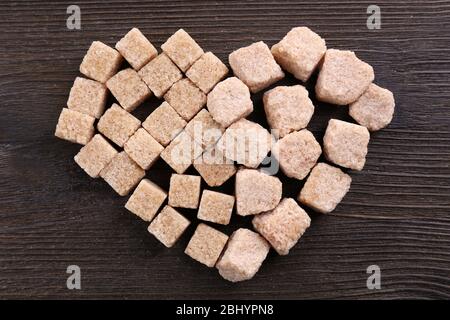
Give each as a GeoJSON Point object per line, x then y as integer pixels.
{"type": "Point", "coordinates": [216, 139]}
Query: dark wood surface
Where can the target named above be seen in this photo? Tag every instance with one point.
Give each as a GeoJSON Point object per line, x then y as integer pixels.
{"type": "Point", "coordinates": [397, 214]}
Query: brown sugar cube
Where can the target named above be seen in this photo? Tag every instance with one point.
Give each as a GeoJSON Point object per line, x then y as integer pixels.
{"type": "Point", "coordinates": [283, 226]}
{"type": "Point", "coordinates": [185, 98]}
{"type": "Point", "coordinates": [118, 125]}
{"type": "Point", "coordinates": [122, 173]}
{"type": "Point", "coordinates": [297, 153]}
{"type": "Point", "coordinates": [136, 49]}
{"type": "Point", "coordinates": [325, 187]}
{"type": "Point", "coordinates": [184, 191]}
{"type": "Point", "coordinates": [128, 88]}
{"type": "Point", "coordinates": [244, 254]}
{"type": "Point", "coordinates": [101, 62]}
{"type": "Point", "coordinates": [204, 129]}
{"type": "Point", "coordinates": [164, 124]}
{"type": "Point", "coordinates": [345, 144]}
{"type": "Point", "coordinates": [95, 155]}
{"type": "Point", "coordinates": [245, 142]}
{"type": "Point", "coordinates": [374, 109]}
{"type": "Point", "coordinates": [214, 167]}
{"type": "Point", "coordinates": [206, 245]}
{"type": "Point", "coordinates": [215, 207]}
{"type": "Point", "coordinates": [300, 52]}
{"type": "Point", "coordinates": [88, 97]}
{"type": "Point", "coordinates": [168, 226]}
{"type": "Point", "coordinates": [143, 148]}
{"type": "Point", "coordinates": [255, 66]}
{"type": "Point", "coordinates": [343, 77]}
{"type": "Point", "coordinates": [182, 49]}
{"type": "Point", "coordinates": [229, 101]}
{"type": "Point", "coordinates": [181, 152]}
{"type": "Point", "coordinates": [207, 71]}
{"type": "Point", "coordinates": [146, 200]}
{"type": "Point", "coordinates": [288, 108]}
{"type": "Point", "coordinates": [74, 126]}
{"type": "Point", "coordinates": [256, 192]}
{"type": "Point", "coordinates": [160, 74]}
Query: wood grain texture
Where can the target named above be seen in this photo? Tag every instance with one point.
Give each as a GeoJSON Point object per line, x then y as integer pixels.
{"type": "Point", "coordinates": [397, 214]}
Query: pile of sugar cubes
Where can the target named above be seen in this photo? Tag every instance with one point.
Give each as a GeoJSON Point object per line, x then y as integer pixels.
{"type": "Point", "coordinates": [202, 122]}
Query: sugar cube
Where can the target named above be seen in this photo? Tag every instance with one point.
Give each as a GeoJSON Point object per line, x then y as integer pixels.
{"type": "Point", "coordinates": [136, 49]}
{"type": "Point", "coordinates": [160, 74]}
{"type": "Point", "coordinates": [255, 66]}
{"type": "Point", "coordinates": [168, 226]}
{"type": "Point", "coordinates": [204, 129]}
{"type": "Point", "coordinates": [245, 142]}
{"type": "Point", "coordinates": [300, 52]}
{"type": "Point", "coordinates": [118, 125]}
{"type": "Point", "coordinates": [122, 173]}
{"type": "Point", "coordinates": [214, 167]}
{"type": "Point", "coordinates": [343, 77]}
{"type": "Point", "coordinates": [182, 49]}
{"type": "Point", "coordinates": [215, 207]}
{"type": "Point", "coordinates": [164, 124]}
{"type": "Point", "coordinates": [283, 226]}
{"type": "Point", "coordinates": [297, 153]}
{"type": "Point", "coordinates": [374, 109]}
{"type": "Point", "coordinates": [74, 126]}
{"type": "Point", "coordinates": [88, 97]}
{"type": "Point", "coordinates": [143, 148]}
{"type": "Point", "coordinates": [207, 71]}
{"type": "Point", "coordinates": [128, 88]}
{"type": "Point", "coordinates": [101, 62]}
{"type": "Point", "coordinates": [256, 192]}
{"type": "Point", "coordinates": [184, 191]}
{"type": "Point", "coordinates": [325, 187]}
{"type": "Point", "coordinates": [345, 144]}
{"type": "Point", "coordinates": [245, 252]}
{"type": "Point", "coordinates": [181, 152]}
{"type": "Point", "coordinates": [146, 200]}
{"type": "Point", "coordinates": [185, 98]}
{"type": "Point", "coordinates": [206, 245]}
{"type": "Point", "coordinates": [95, 155]}
{"type": "Point", "coordinates": [288, 108]}
{"type": "Point", "coordinates": [229, 101]}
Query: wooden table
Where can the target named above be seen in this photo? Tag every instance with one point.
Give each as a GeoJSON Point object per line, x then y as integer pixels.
{"type": "Point", "coordinates": [396, 216]}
